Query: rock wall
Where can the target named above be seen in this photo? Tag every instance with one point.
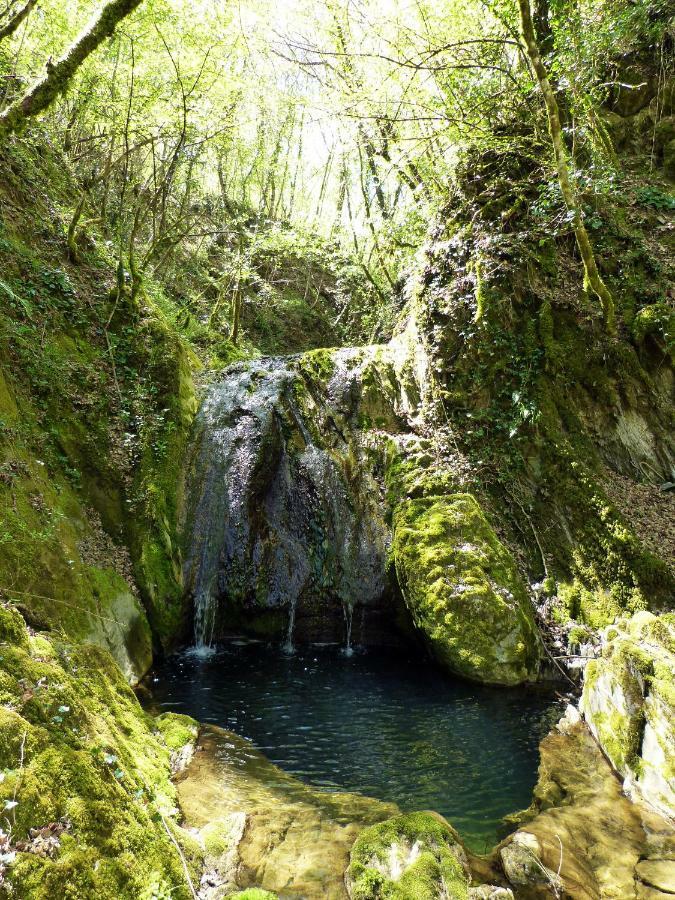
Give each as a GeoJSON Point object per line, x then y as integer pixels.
{"type": "Point", "coordinates": [629, 704]}
{"type": "Point", "coordinates": [318, 509]}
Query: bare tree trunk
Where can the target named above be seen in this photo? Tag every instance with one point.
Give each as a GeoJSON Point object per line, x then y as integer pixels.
{"type": "Point", "coordinates": [18, 17]}
{"type": "Point", "coordinates": [592, 278]}
{"type": "Point", "coordinates": [43, 93]}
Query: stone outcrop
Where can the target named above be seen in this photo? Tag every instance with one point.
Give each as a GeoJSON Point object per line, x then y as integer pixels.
{"type": "Point", "coordinates": [262, 828]}
{"type": "Point", "coordinates": [414, 855]}
{"type": "Point", "coordinates": [629, 704]}
{"type": "Point", "coordinates": [463, 589]}
{"type": "Point", "coordinates": [317, 505]}
{"type": "Point", "coordinates": [582, 837]}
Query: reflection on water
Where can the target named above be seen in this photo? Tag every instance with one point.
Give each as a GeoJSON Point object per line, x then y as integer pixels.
{"type": "Point", "coordinates": [381, 724]}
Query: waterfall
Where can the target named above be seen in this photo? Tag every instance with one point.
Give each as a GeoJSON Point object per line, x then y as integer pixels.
{"type": "Point", "coordinates": [282, 508]}
{"type": "Point", "coordinates": [288, 646]}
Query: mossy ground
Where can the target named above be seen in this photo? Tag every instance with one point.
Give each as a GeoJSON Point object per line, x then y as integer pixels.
{"type": "Point", "coordinates": [75, 747]}
{"type": "Point", "coordinates": [96, 405]}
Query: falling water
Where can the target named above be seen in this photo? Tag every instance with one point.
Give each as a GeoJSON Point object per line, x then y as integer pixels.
{"type": "Point", "coordinates": [288, 646]}
{"type": "Point", "coordinates": [271, 515]}
{"type": "Point", "coordinates": [349, 618]}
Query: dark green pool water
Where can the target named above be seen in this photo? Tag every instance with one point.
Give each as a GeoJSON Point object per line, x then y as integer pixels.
{"type": "Point", "coordinates": [376, 722]}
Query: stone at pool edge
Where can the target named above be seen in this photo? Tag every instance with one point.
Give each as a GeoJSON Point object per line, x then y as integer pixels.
{"type": "Point", "coordinates": [415, 856]}
{"type": "Point", "coordinates": [464, 590]}
{"type": "Point", "coordinates": [296, 838]}
{"type": "Point", "coordinates": [658, 874]}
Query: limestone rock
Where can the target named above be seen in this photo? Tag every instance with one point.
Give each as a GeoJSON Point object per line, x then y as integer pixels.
{"type": "Point", "coordinates": [490, 892]}
{"type": "Point", "coordinates": [463, 589]}
{"type": "Point", "coordinates": [296, 839]}
{"type": "Point", "coordinates": [305, 472]}
{"type": "Point", "coordinates": [658, 873]}
{"type": "Point", "coordinates": [629, 704]}
{"type": "Point", "coordinates": [522, 863]}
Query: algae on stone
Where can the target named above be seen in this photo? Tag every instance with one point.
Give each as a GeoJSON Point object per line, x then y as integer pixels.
{"type": "Point", "coordinates": [296, 839]}
{"type": "Point", "coordinates": [464, 591]}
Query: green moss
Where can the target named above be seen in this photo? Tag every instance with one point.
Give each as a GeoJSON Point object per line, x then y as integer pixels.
{"type": "Point", "coordinates": [177, 730]}
{"type": "Point", "coordinates": [77, 747]}
{"type": "Point", "coordinates": [631, 687]}
{"type": "Point", "coordinates": [546, 331]}
{"type": "Point", "coordinates": [12, 628]}
{"type": "Point", "coordinates": [427, 854]}
{"type": "Point", "coordinates": [656, 319]}
{"type": "Point", "coordinates": [464, 591]}
{"type": "Point", "coordinates": [319, 365]}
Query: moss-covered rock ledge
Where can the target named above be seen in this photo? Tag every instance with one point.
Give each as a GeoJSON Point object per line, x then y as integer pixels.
{"type": "Point", "coordinates": [89, 809]}
{"type": "Point", "coordinates": [629, 704]}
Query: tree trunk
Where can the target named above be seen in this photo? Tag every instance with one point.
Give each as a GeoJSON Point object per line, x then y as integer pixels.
{"type": "Point", "coordinates": [592, 278]}
{"type": "Point", "coordinates": [43, 93]}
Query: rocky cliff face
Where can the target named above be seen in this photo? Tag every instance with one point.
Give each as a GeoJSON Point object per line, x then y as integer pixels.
{"type": "Point", "coordinates": [320, 509]}
{"type": "Point", "coordinates": [629, 704]}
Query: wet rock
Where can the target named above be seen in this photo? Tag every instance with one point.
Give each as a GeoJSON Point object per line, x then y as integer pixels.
{"type": "Point", "coordinates": [490, 892]}
{"type": "Point", "coordinates": [221, 838]}
{"type": "Point", "coordinates": [522, 865]}
{"type": "Point", "coordinates": [296, 839]}
{"type": "Point", "coordinates": [586, 830]}
{"type": "Point", "coordinates": [657, 873]}
{"type": "Point", "coordinates": [305, 471]}
{"type": "Point", "coordinates": [286, 515]}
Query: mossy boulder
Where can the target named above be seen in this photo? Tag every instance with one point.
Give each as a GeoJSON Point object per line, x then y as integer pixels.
{"type": "Point", "coordinates": [629, 705]}
{"type": "Point", "coordinates": [464, 591]}
{"type": "Point", "coordinates": [77, 750]}
{"type": "Point", "coordinates": [417, 856]}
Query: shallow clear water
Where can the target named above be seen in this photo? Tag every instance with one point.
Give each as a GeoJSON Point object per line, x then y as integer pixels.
{"type": "Point", "coordinates": [376, 722]}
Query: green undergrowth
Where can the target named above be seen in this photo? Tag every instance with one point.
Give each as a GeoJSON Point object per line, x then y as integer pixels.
{"type": "Point", "coordinates": [540, 400]}
{"type": "Point", "coordinates": [96, 406]}
{"type": "Point", "coordinates": [77, 750]}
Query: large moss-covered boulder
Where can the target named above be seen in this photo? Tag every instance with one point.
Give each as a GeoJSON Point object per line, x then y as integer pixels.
{"type": "Point", "coordinates": [89, 809]}
{"type": "Point", "coordinates": [416, 856]}
{"type": "Point", "coordinates": [464, 591]}
{"type": "Point", "coordinates": [629, 704]}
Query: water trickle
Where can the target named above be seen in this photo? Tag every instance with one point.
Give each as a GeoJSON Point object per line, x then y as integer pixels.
{"type": "Point", "coordinates": [348, 610]}
{"type": "Point", "coordinates": [288, 646]}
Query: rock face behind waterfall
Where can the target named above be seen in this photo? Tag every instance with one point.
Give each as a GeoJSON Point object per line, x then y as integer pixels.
{"type": "Point", "coordinates": [287, 517]}
{"type": "Point", "coordinates": [300, 472]}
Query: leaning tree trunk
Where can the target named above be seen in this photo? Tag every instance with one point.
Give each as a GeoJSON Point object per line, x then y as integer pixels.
{"type": "Point", "coordinates": [38, 97]}
{"type": "Point", "coordinates": [592, 278]}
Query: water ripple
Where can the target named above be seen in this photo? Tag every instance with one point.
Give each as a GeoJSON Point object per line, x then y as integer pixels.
{"type": "Point", "coordinates": [379, 724]}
